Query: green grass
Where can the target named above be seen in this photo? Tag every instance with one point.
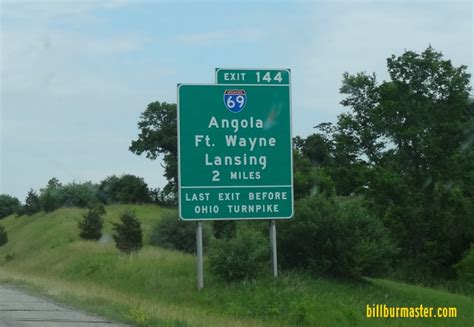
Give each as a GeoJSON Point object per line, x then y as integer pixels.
{"type": "Point", "coordinates": [156, 287]}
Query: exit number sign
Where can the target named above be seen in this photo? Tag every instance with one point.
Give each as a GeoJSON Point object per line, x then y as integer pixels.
{"type": "Point", "coordinates": [253, 76]}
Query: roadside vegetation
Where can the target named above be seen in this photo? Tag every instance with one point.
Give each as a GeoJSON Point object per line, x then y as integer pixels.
{"type": "Point", "coordinates": [157, 286]}
{"type": "Point", "coordinates": [383, 210]}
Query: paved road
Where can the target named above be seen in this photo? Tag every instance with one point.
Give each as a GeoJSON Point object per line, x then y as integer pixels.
{"type": "Point", "coordinates": [18, 309]}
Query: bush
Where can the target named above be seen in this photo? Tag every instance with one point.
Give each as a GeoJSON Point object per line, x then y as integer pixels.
{"type": "Point", "coordinates": [128, 234]}
{"type": "Point", "coordinates": [90, 228]}
{"type": "Point", "coordinates": [245, 256]}
{"type": "Point", "coordinates": [465, 268]}
{"type": "Point", "coordinates": [336, 236]}
{"type": "Point", "coordinates": [8, 205]}
{"type": "Point", "coordinates": [3, 236]}
{"type": "Point", "coordinates": [172, 233]}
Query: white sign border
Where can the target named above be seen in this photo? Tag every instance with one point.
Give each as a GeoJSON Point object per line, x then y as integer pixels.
{"type": "Point", "coordinates": [291, 216]}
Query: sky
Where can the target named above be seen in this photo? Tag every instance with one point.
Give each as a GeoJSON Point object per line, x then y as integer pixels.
{"type": "Point", "coordinates": [76, 75]}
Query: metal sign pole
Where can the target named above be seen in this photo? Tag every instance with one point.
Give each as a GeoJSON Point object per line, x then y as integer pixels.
{"type": "Point", "coordinates": [200, 268]}
{"type": "Point", "coordinates": [274, 247]}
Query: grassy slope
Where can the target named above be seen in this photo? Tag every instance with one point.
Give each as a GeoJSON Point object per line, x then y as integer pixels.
{"type": "Point", "coordinates": [157, 286]}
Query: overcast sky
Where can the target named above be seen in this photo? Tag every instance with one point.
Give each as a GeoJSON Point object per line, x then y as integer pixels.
{"type": "Point", "coordinates": [75, 75]}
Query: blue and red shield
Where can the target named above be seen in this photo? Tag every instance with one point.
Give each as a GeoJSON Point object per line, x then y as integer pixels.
{"type": "Point", "coordinates": [235, 100]}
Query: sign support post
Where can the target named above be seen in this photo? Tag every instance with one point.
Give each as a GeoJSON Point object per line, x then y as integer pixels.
{"type": "Point", "coordinates": [200, 266]}
{"type": "Point", "coordinates": [274, 247]}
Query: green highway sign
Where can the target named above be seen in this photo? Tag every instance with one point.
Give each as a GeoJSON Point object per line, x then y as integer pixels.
{"type": "Point", "coordinates": [253, 76]}
{"type": "Point", "coordinates": [235, 151]}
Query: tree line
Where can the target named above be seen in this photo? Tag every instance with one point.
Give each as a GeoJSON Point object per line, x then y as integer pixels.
{"type": "Point", "coordinates": [113, 189]}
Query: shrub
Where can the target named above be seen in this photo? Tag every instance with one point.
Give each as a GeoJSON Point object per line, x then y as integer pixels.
{"type": "Point", "coordinates": [336, 236]}
{"type": "Point", "coordinates": [172, 233]}
{"type": "Point", "coordinates": [8, 205]}
{"type": "Point", "coordinates": [90, 227]}
{"type": "Point", "coordinates": [245, 256]}
{"type": "Point", "coordinates": [465, 268]}
{"type": "Point", "coordinates": [3, 236]}
{"type": "Point", "coordinates": [128, 234]}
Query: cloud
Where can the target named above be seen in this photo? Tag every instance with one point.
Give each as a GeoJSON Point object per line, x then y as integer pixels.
{"type": "Point", "coordinates": [41, 56]}
{"type": "Point", "coordinates": [72, 88]}
{"type": "Point", "coordinates": [248, 35]}
{"type": "Point", "coordinates": [61, 64]}
{"type": "Point", "coordinates": [40, 11]}
{"type": "Point", "coordinates": [360, 38]}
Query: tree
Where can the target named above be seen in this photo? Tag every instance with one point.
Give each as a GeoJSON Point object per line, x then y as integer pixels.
{"type": "Point", "coordinates": [422, 112]}
{"type": "Point", "coordinates": [32, 203]}
{"type": "Point", "coordinates": [90, 228]}
{"type": "Point", "coordinates": [158, 135]}
{"type": "Point", "coordinates": [80, 195]}
{"type": "Point", "coordinates": [8, 205]}
{"type": "Point", "coordinates": [128, 234]}
{"type": "Point", "coordinates": [407, 136]}
{"type": "Point", "coordinates": [317, 148]}
{"type": "Point", "coordinates": [163, 199]}
{"type": "Point", "coordinates": [124, 189]}
{"type": "Point", "coordinates": [50, 196]}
